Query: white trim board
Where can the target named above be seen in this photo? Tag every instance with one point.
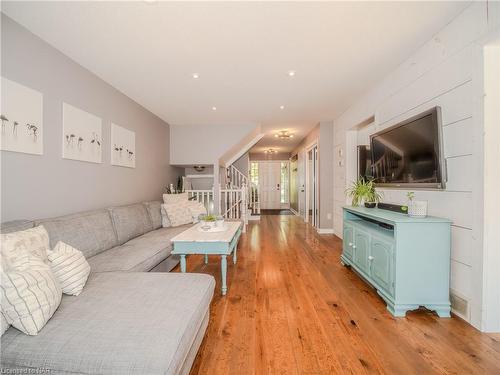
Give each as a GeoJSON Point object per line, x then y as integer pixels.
{"type": "Point", "coordinates": [325, 231]}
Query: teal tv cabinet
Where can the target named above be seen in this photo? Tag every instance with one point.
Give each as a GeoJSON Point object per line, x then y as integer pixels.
{"type": "Point", "coordinates": [406, 259]}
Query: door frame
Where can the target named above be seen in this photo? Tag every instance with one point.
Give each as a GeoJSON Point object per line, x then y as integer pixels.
{"type": "Point", "coordinates": [310, 147]}
{"type": "Point", "coordinates": [487, 275]}
{"type": "Point", "coordinates": [282, 205]}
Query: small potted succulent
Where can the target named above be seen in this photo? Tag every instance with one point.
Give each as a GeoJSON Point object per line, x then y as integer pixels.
{"type": "Point", "coordinates": [363, 191]}
{"type": "Point", "coordinates": [416, 208]}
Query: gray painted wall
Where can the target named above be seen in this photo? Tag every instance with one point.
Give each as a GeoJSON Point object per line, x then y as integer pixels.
{"type": "Point", "coordinates": [323, 134]}
{"type": "Point", "coordinates": [44, 186]}
{"type": "Point", "coordinates": [242, 163]}
{"type": "Point", "coordinates": [326, 175]}
{"type": "Point", "coordinates": [204, 144]}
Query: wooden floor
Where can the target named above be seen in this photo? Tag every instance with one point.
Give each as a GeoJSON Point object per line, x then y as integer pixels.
{"type": "Point", "coordinates": [291, 308]}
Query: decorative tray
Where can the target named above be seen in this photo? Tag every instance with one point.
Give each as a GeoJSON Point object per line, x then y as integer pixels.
{"type": "Point", "coordinates": [206, 229]}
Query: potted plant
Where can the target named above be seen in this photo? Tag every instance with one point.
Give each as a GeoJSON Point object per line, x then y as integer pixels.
{"type": "Point", "coordinates": [363, 191]}
{"type": "Point", "coordinates": [210, 221]}
{"type": "Point", "coordinates": [416, 208]}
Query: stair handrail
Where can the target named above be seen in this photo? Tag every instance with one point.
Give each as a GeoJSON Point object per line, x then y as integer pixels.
{"type": "Point", "coordinates": [236, 177]}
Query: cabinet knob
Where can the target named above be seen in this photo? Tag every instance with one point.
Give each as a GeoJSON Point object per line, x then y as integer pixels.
{"type": "Point", "coordinates": [370, 258]}
{"type": "Point", "coordinates": [350, 243]}
{"type": "Point", "coordinates": [353, 246]}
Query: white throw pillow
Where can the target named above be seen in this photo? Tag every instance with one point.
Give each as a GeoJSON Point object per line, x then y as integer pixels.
{"type": "Point", "coordinates": [14, 246]}
{"type": "Point", "coordinates": [197, 209]}
{"type": "Point", "coordinates": [4, 325]}
{"type": "Point", "coordinates": [175, 198]}
{"type": "Point", "coordinates": [165, 222]}
{"type": "Point", "coordinates": [70, 268]}
{"type": "Point", "coordinates": [29, 296]}
{"type": "Point", "coordinates": [178, 213]}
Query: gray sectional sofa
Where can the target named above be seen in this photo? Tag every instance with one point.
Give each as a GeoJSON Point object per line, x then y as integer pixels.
{"type": "Point", "coordinates": [126, 320]}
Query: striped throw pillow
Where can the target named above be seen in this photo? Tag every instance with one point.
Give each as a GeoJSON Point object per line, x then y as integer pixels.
{"type": "Point", "coordinates": [18, 250]}
{"type": "Point", "coordinates": [29, 296]}
{"type": "Point", "coordinates": [70, 268]}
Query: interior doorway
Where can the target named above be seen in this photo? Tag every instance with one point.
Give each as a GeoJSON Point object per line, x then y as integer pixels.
{"type": "Point", "coordinates": [273, 178]}
{"type": "Point", "coordinates": [312, 211]}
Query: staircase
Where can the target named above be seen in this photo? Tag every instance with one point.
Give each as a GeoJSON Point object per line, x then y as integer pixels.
{"type": "Point", "coordinates": [237, 180]}
{"type": "Point", "coordinates": [238, 199]}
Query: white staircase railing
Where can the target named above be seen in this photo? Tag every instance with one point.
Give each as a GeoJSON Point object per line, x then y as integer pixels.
{"type": "Point", "coordinates": [236, 178]}
{"type": "Point", "coordinates": [206, 197]}
{"type": "Point", "coordinates": [253, 198]}
{"type": "Point", "coordinates": [232, 202]}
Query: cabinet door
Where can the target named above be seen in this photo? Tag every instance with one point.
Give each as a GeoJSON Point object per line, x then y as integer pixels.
{"type": "Point", "coordinates": [348, 240]}
{"type": "Point", "coordinates": [381, 259]}
{"type": "Point", "coordinates": [361, 249]}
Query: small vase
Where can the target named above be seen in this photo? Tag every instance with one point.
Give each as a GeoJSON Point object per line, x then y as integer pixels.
{"type": "Point", "coordinates": [370, 204]}
{"type": "Point", "coordinates": [417, 208]}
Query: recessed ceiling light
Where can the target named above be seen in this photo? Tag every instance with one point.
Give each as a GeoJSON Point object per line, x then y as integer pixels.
{"type": "Point", "coordinates": [291, 73]}
{"type": "Point", "coordinates": [214, 108]}
{"type": "Point", "coordinates": [195, 75]}
{"type": "Point", "coordinates": [282, 107]}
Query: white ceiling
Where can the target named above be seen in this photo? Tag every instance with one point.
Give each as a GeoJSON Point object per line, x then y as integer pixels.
{"type": "Point", "coordinates": [242, 52]}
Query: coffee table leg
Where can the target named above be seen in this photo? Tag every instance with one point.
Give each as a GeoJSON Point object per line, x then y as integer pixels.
{"type": "Point", "coordinates": [234, 255]}
{"type": "Point", "coordinates": [206, 258]}
{"type": "Point", "coordinates": [223, 266]}
{"type": "Point", "coordinates": [183, 263]}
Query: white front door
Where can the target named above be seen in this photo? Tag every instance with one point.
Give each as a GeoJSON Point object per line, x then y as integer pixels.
{"type": "Point", "coordinates": [269, 181]}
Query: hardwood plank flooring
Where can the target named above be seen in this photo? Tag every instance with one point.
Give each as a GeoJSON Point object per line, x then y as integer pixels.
{"type": "Point", "coordinates": [291, 308]}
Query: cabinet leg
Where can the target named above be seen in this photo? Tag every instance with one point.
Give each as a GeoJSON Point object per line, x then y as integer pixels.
{"type": "Point", "coordinates": [206, 258]}
{"type": "Point", "coordinates": [443, 311]}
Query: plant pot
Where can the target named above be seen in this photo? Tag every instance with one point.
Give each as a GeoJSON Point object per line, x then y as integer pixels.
{"type": "Point", "coordinates": [417, 208]}
{"type": "Point", "coordinates": [370, 204]}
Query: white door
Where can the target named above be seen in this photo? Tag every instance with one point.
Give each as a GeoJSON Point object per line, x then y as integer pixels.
{"type": "Point", "coordinates": [269, 181]}
{"type": "Point", "coordinates": [312, 177]}
{"type": "Point", "coordinates": [302, 183]}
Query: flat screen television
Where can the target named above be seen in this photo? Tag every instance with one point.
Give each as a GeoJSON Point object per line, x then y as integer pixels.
{"type": "Point", "coordinates": [364, 162]}
{"type": "Point", "coordinates": [410, 154]}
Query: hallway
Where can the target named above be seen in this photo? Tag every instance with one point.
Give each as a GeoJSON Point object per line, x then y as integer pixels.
{"type": "Point", "coordinates": [291, 308]}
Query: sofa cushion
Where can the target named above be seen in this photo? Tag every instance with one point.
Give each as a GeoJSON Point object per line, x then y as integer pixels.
{"type": "Point", "coordinates": [130, 221]}
{"type": "Point", "coordinates": [90, 232]}
{"type": "Point", "coordinates": [154, 211]}
{"type": "Point", "coordinates": [122, 323]}
{"type": "Point", "coordinates": [15, 226]}
{"type": "Point", "coordinates": [140, 254]}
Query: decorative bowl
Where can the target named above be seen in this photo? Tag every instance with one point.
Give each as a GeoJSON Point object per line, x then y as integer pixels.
{"type": "Point", "coordinates": [211, 221]}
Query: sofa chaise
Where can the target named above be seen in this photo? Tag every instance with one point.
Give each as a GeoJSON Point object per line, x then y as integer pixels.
{"type": "Point", "coordinates": [126, 320]}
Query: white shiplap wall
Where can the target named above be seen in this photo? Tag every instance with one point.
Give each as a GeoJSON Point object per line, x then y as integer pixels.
{"type": "Point", "coordinates": [445, 72]}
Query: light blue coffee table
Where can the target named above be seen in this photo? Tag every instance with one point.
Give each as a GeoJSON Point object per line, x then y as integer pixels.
{"type": "Point", "coordinates": [194, 241]}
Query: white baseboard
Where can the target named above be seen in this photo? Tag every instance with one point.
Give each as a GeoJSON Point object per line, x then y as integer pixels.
{"type": "Point", "coordinates": [253, 217]}
{"type": "Point", "coordinates": [325, 231]}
